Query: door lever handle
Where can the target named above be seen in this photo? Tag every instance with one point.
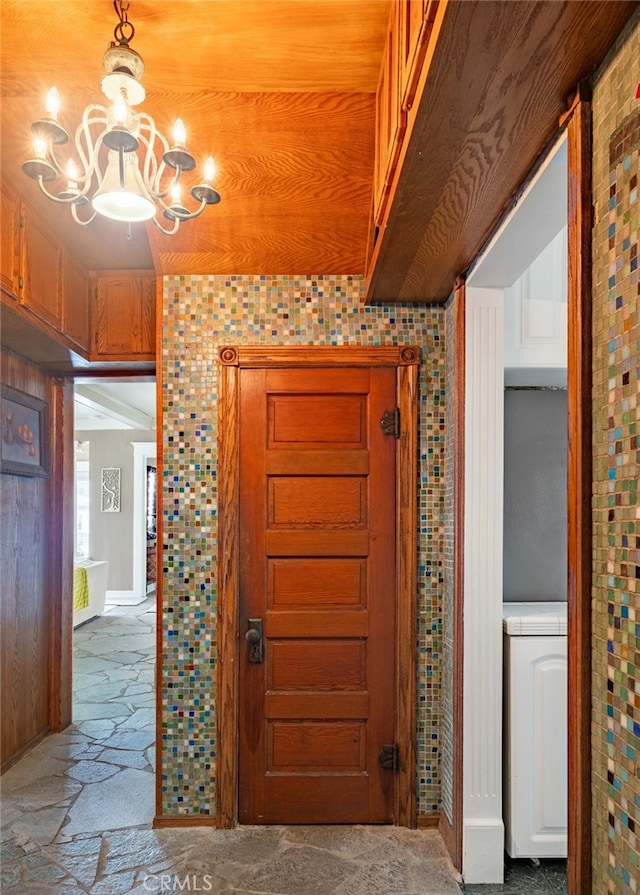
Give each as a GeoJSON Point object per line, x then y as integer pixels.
{"type": "Point", "coordinates": [253, 636]}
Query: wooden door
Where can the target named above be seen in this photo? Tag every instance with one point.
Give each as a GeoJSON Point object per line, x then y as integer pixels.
{"type": "Point", "coordinates": [317, 570]}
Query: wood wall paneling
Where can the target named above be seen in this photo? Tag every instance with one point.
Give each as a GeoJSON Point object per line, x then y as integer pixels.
{"type": "Point", "coordinates": [60, 551]}
{"type": "Point", "coordinates": [25, 607]}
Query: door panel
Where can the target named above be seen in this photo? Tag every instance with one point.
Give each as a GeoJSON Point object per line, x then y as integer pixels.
{"type": "Point", "coordinates": [309, 583]}
{"type": "Point", "coordinates": [317, 542]}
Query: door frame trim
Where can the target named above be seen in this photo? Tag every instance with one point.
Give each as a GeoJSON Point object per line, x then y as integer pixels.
{"type": "Point", "coordinates": [579, 488]}
{"type": "Point", "coordinates": [230, 360]}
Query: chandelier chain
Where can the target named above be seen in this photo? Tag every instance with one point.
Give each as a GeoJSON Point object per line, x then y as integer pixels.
{"type": "Point", "coordinates": [124, 30]}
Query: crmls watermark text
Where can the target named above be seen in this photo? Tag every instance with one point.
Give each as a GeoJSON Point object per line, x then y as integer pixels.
{"type": "Point", "coordinates": [167, 882]}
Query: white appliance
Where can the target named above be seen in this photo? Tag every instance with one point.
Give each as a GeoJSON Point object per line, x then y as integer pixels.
{"type": "Point", "coordinates": [535, 731]}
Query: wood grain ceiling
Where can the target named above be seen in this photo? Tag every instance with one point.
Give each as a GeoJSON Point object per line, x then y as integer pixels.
{"type": "Point", "coordinates": [280, 92]}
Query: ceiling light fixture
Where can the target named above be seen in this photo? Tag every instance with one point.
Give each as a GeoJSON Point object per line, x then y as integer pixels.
{"type": "Point", "coordinates": [119, 174]}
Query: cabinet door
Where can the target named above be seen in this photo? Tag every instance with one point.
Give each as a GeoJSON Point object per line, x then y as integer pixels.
{"type": "Point", "coordinates": [75, 302]}
{"type": "Point", "coordinates": [124, 319]}
{"type": "Point", "coordinates": [416, 23]}
{"type": "Point", "coordinates": [148, 314]}
{"type": "Point", "coordinates": [10, 242]}
{"type": "Point", "coordinates": [41, 272]}
{"type": "Point", "coordinates": [390, 119]}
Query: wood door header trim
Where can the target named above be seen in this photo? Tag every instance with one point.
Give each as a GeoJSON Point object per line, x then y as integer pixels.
{"type": "Point", "coordinates": [318, 356]}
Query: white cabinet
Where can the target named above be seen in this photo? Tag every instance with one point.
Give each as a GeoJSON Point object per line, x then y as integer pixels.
{"type": "Point", "coordinates": [535, 772]}
{"type": "Point", "coordinates": [535, 311]}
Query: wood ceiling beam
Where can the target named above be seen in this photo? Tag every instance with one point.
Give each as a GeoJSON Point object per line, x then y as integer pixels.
{"type": "Point", "coordinates": [491, 93]}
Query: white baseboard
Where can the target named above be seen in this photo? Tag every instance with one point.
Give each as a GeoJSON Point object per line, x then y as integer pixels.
{"type": "Point", "coordinates": [483, 851]}
{"type": "Point", "coordinates": [124, 598]}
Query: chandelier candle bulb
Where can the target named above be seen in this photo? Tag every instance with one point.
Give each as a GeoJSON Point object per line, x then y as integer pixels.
{"type": "Point", "coordinates": [179, 133]}
{"type": "Point", "coordinates": [72, 175]}
{"type": "Point", "coordinates": [120, 111]}
{"type": "Point", "coordinates": [40, 147]}
{"type": "Point", "coordinates": [52, 103]}
{"type": "Point", "coordinates": [209, 170]}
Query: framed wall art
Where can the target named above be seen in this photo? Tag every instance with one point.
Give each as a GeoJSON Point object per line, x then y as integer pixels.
{"type": "Point", "coordinates": [110, 489]}
{"type": "Point", "coordinates": [23, 445]}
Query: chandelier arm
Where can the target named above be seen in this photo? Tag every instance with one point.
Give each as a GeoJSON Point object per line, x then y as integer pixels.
{"type": "Point", "coordinates": [189, 215]}
{"type": "Point", "coordinates": [54, 161]}
{"type": "Point", "coordinates": [150, 163]}
{"type": "Point", "coordinates": [78, 220]}
{"type": "Point", "coordinates": [153, 178]}
{"type": "Point", "coordinates": [68, 200]}
{"type": "Point", "coordinates": [159, 193]}
{"type": "Point", "coordinates": [90, 159]}
{"type": "Point", "coordinates": [158, 226]}
{"type": "Point", "coordinates": [83, 178]}
{"type": "Point", "coordinates": [152, 173]}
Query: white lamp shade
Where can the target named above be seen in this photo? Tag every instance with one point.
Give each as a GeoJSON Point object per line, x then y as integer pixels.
{"type": "Point", "coordinates": [127, 202]}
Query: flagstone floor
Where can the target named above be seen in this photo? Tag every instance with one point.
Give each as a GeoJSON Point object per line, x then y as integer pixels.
{"type": "Point", "coordinates": [77, 811]}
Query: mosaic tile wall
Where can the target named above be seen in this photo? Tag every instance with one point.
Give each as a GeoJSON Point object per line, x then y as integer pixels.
{"type": "Point", "coordinates": [199, 314]}
{"type": "Point", "coordinates": [616, 596]}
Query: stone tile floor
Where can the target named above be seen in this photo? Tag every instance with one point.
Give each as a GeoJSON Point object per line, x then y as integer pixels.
{"type": "Point", "coordinates": [77, 810]}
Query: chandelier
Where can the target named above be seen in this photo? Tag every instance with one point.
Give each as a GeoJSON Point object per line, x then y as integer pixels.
{"type": "Point", "coordinates": [125, 169]}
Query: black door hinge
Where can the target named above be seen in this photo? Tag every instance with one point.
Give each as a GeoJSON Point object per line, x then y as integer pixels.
{"type": "Point", "coordinates": [390, 422]}
{"type": "Point", "coordinates": [388, 757]}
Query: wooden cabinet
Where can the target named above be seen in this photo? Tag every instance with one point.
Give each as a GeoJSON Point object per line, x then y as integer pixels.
{"type": "Point", "coordinates": [41, 271]}
{"type": "Point", "coordinates": [103, 315]}
{"type": "Point", "coordinates": [123, 319]}
{"type": "Point", "coordinates": [10, 212]}
{"type": "Point", "coordinates": [410, 26]}
{"type": "Point", "coordinates": [390, 118]}
{"type": "Point", "coordinates": [414, 30]}
{"type": "Point", "coordinates": [75, 302]}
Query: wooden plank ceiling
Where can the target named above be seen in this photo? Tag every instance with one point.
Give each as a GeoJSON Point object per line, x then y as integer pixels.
{"type": "Point", "coordinates": [281, 93]}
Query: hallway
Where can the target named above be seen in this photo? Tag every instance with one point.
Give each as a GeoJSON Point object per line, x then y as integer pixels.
{"type": "Point", "coordinates": [77, 810]}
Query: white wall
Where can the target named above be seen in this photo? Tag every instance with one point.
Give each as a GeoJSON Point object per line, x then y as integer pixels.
{"type": "Point", "coordinates": [111, 534]}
